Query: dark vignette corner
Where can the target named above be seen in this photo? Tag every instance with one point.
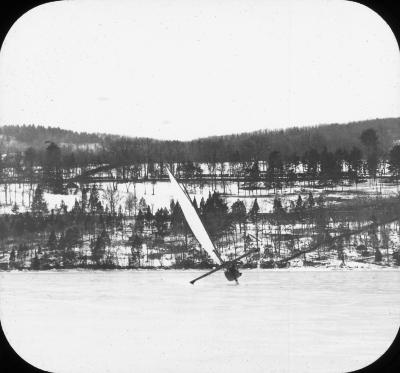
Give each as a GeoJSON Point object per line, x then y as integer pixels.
{"type": "Point", "coordinates": [388, 362]}
{"type": "Point", "coordinates": [11, 10]}
{"type": "Point", "coordinates": [388, 10]}
{"type": "Point", "coordinates": [10, 361]}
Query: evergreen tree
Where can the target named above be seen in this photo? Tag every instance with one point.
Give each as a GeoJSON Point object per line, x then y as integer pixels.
{"type": "Point", "coordinates": [139, 222]}
{"type": "Point", "coordinates": [148, 216]}
{"type": "Point", "coordinates": [254, 209]}
{"type": "Point", "coordinates": [160, 220]}
{"type": "Point", "coordinates": [239, 213]}
{"type": "Point", "coordinates": [215, 216]}
{"type": "Point", "coordinates": [63, 207]}
{"type": "Point", "coordinates": [39, 205]}
{"type": "Point", "coordinates": [299, 203]}
{"type": "Point", "coordinates": [94, 199]}
{"type": "Point", "coordinates": [99, 247]}
{"type": "Point", "coordinates": [76, 210]}
{"type": "Point", "coordinates": [177, 218]}
{"type": "Point", "coordinates": [194, 203]}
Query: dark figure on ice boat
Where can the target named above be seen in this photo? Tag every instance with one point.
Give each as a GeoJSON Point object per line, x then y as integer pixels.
{"type": "Point", "coordinates": [232, 273]}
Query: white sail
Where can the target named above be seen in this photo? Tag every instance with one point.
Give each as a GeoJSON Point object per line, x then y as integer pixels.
{"type": "Point", "coordinates": [193, 219]}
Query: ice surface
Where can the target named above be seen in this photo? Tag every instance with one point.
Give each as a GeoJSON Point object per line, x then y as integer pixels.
{"type": "Point", "coordinates": [155, 321]}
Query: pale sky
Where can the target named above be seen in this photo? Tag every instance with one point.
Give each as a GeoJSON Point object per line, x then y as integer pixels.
{"type": "Point", "coordinates": [183, 69]}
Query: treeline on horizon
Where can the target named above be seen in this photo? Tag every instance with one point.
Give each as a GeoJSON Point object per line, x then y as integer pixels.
{"type": "Point", "coordinates": [118, 150]}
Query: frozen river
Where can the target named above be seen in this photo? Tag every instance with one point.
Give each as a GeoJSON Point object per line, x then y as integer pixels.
{"type": "Point", "coordinates": [155, 321]}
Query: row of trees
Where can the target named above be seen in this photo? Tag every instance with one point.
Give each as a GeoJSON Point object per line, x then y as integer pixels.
{"type": "Point", "coordinates": [85, 234]}
{"type": "Point", "coordinates": [53, 168]}
{"type": "Point", "coordinates": [36, 135]}
{"type": "Point", "coordinates": [373, 142]}
{"type": "Point", "coordinates": [86, 222]}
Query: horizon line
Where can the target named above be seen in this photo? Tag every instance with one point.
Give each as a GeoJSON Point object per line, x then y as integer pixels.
{"type": "Point", "coordinates": [264, 130]}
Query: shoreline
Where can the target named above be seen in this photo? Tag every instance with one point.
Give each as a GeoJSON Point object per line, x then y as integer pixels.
{"type": "Point", "coordinates": [371, 268]}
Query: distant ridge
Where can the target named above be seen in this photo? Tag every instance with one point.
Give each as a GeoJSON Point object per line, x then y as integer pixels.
{"type": "Point", "coordinates": [245, 145]}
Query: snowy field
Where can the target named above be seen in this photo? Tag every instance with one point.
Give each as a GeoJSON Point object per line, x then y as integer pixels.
{"type": "Point", "coordinates": [155, 321]}
{"type": "Point", "coordinates": [158, 195]}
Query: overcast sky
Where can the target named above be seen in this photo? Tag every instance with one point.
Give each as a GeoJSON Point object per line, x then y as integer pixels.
{"type": "Point", "coordinates": [185, 69]}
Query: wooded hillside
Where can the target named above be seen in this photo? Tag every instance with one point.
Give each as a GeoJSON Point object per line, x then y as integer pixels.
{"type": "Point", "coordinates": [236, 147]}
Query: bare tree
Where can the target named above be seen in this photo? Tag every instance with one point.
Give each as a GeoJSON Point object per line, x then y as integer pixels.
{"type": "Point", "coordinates": [113, 198]}
{"type": "Point", "coordinates": [131, 203]}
